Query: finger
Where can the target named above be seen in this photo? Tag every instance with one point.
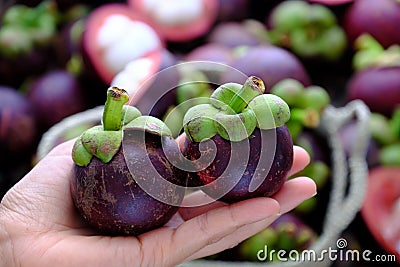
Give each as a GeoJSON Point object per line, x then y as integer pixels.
{"type": "Point", "coordinates": [181, 140]}
{"type": "Point", "coordinates": [300, 160]}
{"type": "Point", "coordinates": [192, 207]}
{"type": "Point", "coordinates": [214, 225]}
{"type": "Point", "coordinates": [193, 203]}
{"type": "Point", "coordinates": [62, 149]}
{"type": "Point", "coordinates": [234, 239]}
{"type": "Point", "coordinates": [294, 192]}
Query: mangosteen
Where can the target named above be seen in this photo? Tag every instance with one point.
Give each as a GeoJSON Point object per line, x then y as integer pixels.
{"type": "Point", "coordinates": [378, 18]}
{"type": "Point", "coordinates": [139, 46]}
{"type": "Point", "coordinates": [244, 129]}
{"type": "Point", "coordinates": [233, 34]}
{"type": "Point", "coordinates": [116, 164]}
{"type": "Point", "coordinates": [178, 20]}
{"type": "Point", "coordinates": [18, 127]}
{"type": "Point", "coordinates": [270, 63]}
{"type": "Point", "coordinates": [308, 30]}
{"type": "Point", "coordinates": [26, 36]}
{"type": "Point", "coordinates": [55, 95]}
{"type": "Point", "coordinates": [287, 233]}
{"type": "Point", "coordinates": [376, 80]}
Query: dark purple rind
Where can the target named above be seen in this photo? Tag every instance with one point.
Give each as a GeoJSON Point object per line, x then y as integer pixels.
{"type": "Point", "coordinates": [110, 200]}
{"type": "Point", "coordinates": [273, 180]}
{"type": "Point", "coordinates": [233, 34]}
{"type": "Point", "coordinates": [380, 19]}
{"type": "Point", "coordinates": [18, 127]}
{"type": "Point", "coordinates": [56, 95]}
{"type": "Point", "coordinates": [270, 63]}
{"type": "Point", "coordinates": [377, 87]}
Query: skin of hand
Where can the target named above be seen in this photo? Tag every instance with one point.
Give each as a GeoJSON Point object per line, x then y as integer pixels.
{"type": "Point", "coordinates": [39, 225]}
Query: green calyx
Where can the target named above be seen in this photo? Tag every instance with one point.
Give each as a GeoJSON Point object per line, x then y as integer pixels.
{"type": "Point", "coordinates": [370, 53]}
{"type": "Point", "coordinates": [24, 28]}
{"type": "Point", "coordinates": [104, 141]}
{"type": "Point", "coordinates": [309, 30]}
{"type": "Point", "coordinates": [235, 111]}
{"type": "Point", "coordinates": [193, 89]}
{"type": "Point", "coordinates": [306, 103]}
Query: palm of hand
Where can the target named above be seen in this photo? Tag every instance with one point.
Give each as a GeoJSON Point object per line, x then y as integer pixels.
{"type": "Point", "coordinates": [40, 227]}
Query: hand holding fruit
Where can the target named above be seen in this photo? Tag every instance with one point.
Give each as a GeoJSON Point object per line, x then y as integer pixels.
{"type": "Point", "coordinates": [39, 225]}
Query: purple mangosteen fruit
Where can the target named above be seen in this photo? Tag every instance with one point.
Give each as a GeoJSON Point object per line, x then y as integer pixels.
{"type": "Point", "coordinates": [244, 129]}
{"type": "Point", "coordinates": [376, 80]}
{"type": "Point", "coordinates": [211, 52]}
{"type": "Point", "coordinates": [115, 36]}
{"type": "Point", "coordinates": [270, 63]}
{"type": "Point", "coordinates": [26, 36]}
{"type": "Point", "coordinates": [233, 34]}
{"type": "Point", "coordinates": [309, 30]}
{"type": "Point", "coordinates": [178, 20]}
{"type": "Point", "coordinates": [378, 87]}
{"type": "Point", "coordinates": [18, 129]}
{"type": "Point", "coordinates": [112, 163]}
{"type": "Point", "coordinates": [378, 18]}
{"type": "Point", "coordinates": [55, 95]}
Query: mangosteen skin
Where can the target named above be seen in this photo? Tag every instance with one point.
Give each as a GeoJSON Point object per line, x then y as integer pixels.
{"type": "Point", "coordinates": [272, 179]}
{"type": "Point", "coordinates": [112, 202]}
{"type": "Point", "coordinates": [377, 87]}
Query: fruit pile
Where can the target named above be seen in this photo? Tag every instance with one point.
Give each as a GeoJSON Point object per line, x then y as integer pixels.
{"type": "Point", "coordinates": [183, 62]}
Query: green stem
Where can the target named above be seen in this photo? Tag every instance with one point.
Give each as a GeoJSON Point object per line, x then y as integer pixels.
{"type": "Point", "coordinates": [253, 87]}
{"type": "Point", "coordinates": [112, 115]}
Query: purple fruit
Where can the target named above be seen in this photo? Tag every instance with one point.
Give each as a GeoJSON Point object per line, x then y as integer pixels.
{"type": "Point", "coordinates": [377, 87]}
{"type": "Point", "coordinates": [18, 130]}
{"type": "Point", "coordinates": [381, 19]}
{"type": "Point", "coordinates": [270, 63]}
{"type": "Point", "coordinates": [308, 30]}
{"type": "Point", "coordinates": [110, 199]}
{"type": "Point", "coordinates": [26, 36]}
{"type": "Point", "coordinates": [238, 143]}
{"type": "Point", "coordinates": [114, 162]}
{"type": "Point", "coordinates": [233, 34]}
{"type": "Point", "coordinates": [273, 178]}
{"type": "Point", "coordinates": [211, 52]}
{"type": "Point", "coordinates": [56, 95]}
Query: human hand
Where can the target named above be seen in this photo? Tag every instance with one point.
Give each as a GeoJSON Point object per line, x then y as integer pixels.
{"type": "Point", "coordinates": [39, 225]}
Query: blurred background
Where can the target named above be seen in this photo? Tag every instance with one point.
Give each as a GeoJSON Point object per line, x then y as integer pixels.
{"type": "Point", "coordinates": [57, 58]}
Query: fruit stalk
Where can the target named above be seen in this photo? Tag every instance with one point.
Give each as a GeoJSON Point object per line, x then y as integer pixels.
{"type": "Point", "coordinates": [253, 87]}
{"type": "Point", "coordinates": [112, 115]}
